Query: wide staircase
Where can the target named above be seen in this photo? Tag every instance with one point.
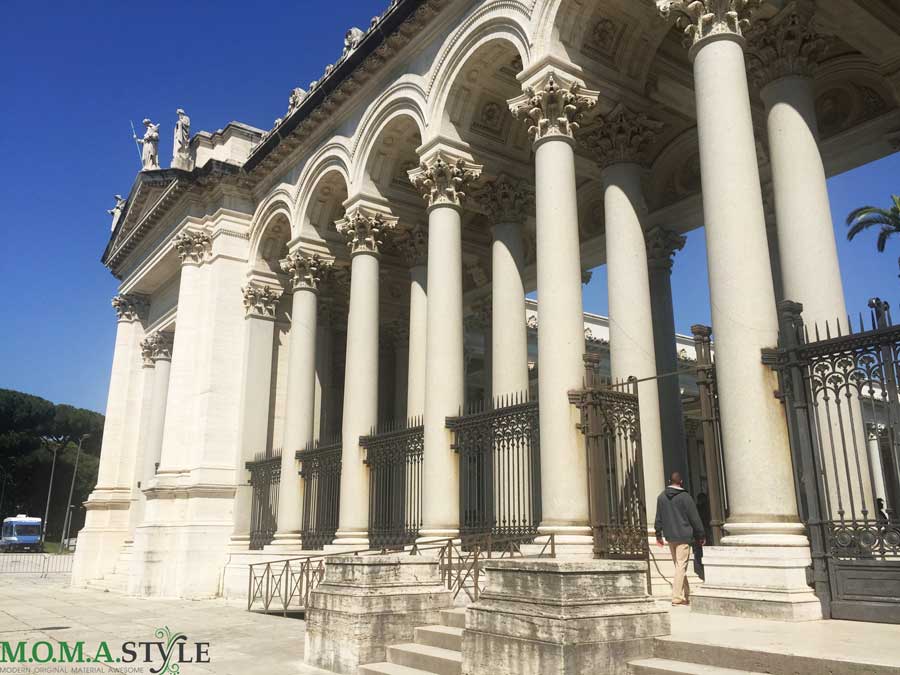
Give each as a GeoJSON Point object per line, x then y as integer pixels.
{"type": "Point", "coordinates": [437, 650]}
{"type": "Point", "coordinates": [116, 580]}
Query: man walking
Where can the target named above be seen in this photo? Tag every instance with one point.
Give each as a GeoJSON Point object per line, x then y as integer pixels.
{"type": "Point", "coordinates": [679, 522]}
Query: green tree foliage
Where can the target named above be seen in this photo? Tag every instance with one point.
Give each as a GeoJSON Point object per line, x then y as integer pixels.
{"type": "Point", "coordinates": [31, 428]}
{"type": "Point", "coordinates": [866, 217]}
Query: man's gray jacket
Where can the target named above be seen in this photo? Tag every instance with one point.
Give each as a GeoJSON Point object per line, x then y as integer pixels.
{"type": "Point", "coordinates": [676, 517]}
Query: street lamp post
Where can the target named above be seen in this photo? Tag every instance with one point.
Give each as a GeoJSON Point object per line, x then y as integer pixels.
{"type": "Point", "coordinates": [68, 519]}
{"type": "Point", "coordinates": [49, 492]}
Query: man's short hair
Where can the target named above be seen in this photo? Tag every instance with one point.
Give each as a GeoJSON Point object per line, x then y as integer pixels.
{"type": "Point", "coordinates": [676, 478]}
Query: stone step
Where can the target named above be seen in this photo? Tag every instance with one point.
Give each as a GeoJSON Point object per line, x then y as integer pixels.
{"type": "Point", "coordinates": [430, 659]}
{"type": "Point", "coordinates": [390, 669]}
{"type": "Point", "coordinates": [455, 618]}
{"type": "Point", "coordinates": [445, 637]}
{"type": "Point", "coordinates": [666, 667]}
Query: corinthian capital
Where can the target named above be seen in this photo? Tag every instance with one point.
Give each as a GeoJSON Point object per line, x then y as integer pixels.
{"type": "Point", "coordinates": [622, 136]}
{"type": "Point", "coordinates": [260, 299]}
{"type": "Point", "coordinates": [507, 200]}
{"type": "Point", "coordinates": [553, 107]}
{"type": "Point", "coordinates": [131, 306]}
{"type": "Point", "coordinates": [701, 19]}
{"type": "Point", "coordinates": [415, 247]}
{"type": "Point", "coordinates": [365, 229]}
{"type": "Point", "coordinates": [662, 244]}
{"type": "Point", "coordinates": [307, 272]}
{"type": "Point", "coordinates": [444, 180]}
{"type": "Point", "coordinates": [192, 246]}
{"type": "Point", "coordinates": [157, 346]}
{"type": "Point", "coordinates": [784, 45]}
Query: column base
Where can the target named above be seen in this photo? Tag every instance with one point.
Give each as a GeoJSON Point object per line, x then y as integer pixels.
{"type": "Point", "coordinates": [287, 542]}
{"type": "Point", "coordinates": [348, 540]}
{"type": "Point", "coordinates": [238, 542]}
{"type": "Point", "coordinates": [757, 582]}
{"type": "Point", "coordinates": [571, 542]}
{"type": "Point", "coordinates": [436, 534]}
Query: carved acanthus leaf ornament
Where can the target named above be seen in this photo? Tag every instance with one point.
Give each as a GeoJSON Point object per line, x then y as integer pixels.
{"type": "Point", "coordinates": [443, 180]}
{"type": "Point", "coordinates": [701, 19]}
{"type": "Point", "coordinates": [307, 271]}
{"type": "Point", "coordinates": [553, 108]}
{"type": "Point", "coordinates": [260, 299]}
{"type": "Point", "coordinates": [622, 136]}
{"type": "Point", "coordinates": [507, 200]}
{"type": "Point", "coordinates": [787, 44]}
{"type": "Point", "coordinates": [131, 306]}
{"type": "Point", "coordinates": [415, 247]}
{"type": "Point", "coordinates": [192, 246]}
{"type": "Point", "coordinates": [365, 230]}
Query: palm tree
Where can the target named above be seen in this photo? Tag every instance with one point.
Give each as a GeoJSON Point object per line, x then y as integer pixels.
{"type": "Point", "coordinates": [870, 216]}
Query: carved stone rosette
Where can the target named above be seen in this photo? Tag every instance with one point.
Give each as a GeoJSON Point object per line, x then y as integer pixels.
{"type": "Point", "coordinates": [784, 45]}
{"type": "Point", "coordinates": [702, 19]}
{"type": "Point", "coordinates": [415, 247]}
{"type": "Point", "coordinates": [307, 272]}
{"type": "Point", "coordinates": [365, 230]}
{"type": "Point", "coordinates": [622, 136]}
{"type": "Point", "coordinates": [131, 306]}
{"type": "Point", "coordinates": [662, 244]}
{"type": "Point", "coordinates": [157, 346]}
{"type": "Point", "coordinates": [260, 300]}
{"type": "Point", "coordinates": [444, 180]}
{"type": "Point", "coordinates": [553, 107]}
{"type": "Point", "coordinates": [507, 200]}
{"type": "Point", "coordinates": [192, 246]}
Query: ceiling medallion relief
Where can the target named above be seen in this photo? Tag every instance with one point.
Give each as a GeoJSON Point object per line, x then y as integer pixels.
{"type": "Point", "coordinates": [843, 105]}
{"type": "Point", "coordinates": [604, 40]}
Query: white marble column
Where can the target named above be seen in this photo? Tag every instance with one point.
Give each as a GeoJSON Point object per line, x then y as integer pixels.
{"type": "Point", "coordinates": [508, 202]}
{"type": "Point", "coordinates": [307, 273]}
{"type": "Point", "coordinates": [661, 246]}
{"type": "Point", "coordinates": [783, 54]}
{"type": "Point", "coordinates": [363, 230]}
{"type": "Point", "coordinates": [327, 407]}
{"type": "Point", "coordinates": [160, 354]}
{"type": "Point", "coordinates": [763, 527]}
{"type": "Point", "coordinates": [260, 302]}
{"type": "Point", "coordinates": [619, 142]}
{"type": "Point", "coordinates": [552, 106]}
{"type": "Point", "coordinates": [400, 344]}
{"type": "Point", "coordinates": [442, 180]}
{"type": "Point", "coordinates": [415, 251]}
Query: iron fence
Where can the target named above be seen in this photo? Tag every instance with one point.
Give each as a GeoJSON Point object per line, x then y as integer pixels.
{"type": "Point", "coordinates": [265, 480]}
{"type": "Point", "coordinates": [42, 564]}
{"type": "Point", "coordinates": [499, 467]}
{"type": "Point", "coordinates": [837, 385]}
{"type": "Point", "coordinates": [321, 473]}
{"type": "Point", "coordinates": [394, 456]}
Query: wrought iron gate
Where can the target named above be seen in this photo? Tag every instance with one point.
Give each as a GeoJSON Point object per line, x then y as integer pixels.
{"type": "Point", "coordinates": [836, 389]}
{"type": "Point", "coordinates": [265, 479]}
{"type": "Point", "coordinates": [499, 468]}
{"type": "Point", "coordinates": [321, 473]}
{"type": "Point", "coordinates": [611, 424]}
{"type": "Point", "coordinates": [394, 457]}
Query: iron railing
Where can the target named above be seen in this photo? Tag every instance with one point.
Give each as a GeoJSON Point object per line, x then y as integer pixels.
{"type": "Point", "coordinates": [499, 468]}
{"type": "Point", "coordinates": [42, 564]}
{"type": "Point", "coordinates": [321, 474]}
{"type": "Point", "coordinates": [265, 480]}
{"type": "Point", "coordinates": [394, 457]}
{"type": "Point", "coordinates": [285, 585]}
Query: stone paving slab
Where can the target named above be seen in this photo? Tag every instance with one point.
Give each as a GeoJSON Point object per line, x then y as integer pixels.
{"type": "Point", "coordinates": [240, 643]}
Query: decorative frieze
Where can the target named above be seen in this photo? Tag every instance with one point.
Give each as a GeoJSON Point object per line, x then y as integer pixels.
{"type": "Point", "coordinates": [365, 230]}
{"type": "Point", "coordinates": [307, 271]}
{"type": "Point", "coordinates": [662, 244]}
{"type": "Point", "coordinates": [444, 180]}
{"type": "Point", "coordinates": [131, 306]}
{"type": "Point", "coordinates": [622, 136]}
{"type": "Point", "coordinates": [785, 45]}
{"type": "Point", "coordinates": [553, 107]}
{"type": "Point", "coordinates": [507, 200]}
{"type": "Point", "coordinates": [415, 247]}
{"type": "Point", "coordinates": [260, 300]}
{"type": "Point", "coordinates": [157, 346]}
{"type": "Point", "coordinates": [701, 19]}
{"type": "Point", "coordinates": [192, 246]}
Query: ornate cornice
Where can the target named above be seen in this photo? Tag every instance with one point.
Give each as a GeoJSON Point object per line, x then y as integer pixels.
{"type": "Point", "coordinates": [784, 45]}
{"type": "Point", "coordinates": [192, 246]}
{"type": "Point", "coordinates": [131, 306]}
{"type": "Point", "coordinates": [260, 300]}
{"type": "Point", "coordinates": [365, 230]}
{"type": "Point", "coordinates": [622, 136]}
{"type": "Point", "coordinates": [444, 180]}
{"type": "Point", "coordinates": [507, 200]}
{"type": "Point", "coordinates": [307, 271]}
{"type": "Point", "coordinates": [662, 244]}
{"type": "Point", "coordinates": [553, 108]}
{"type": "Point", "coordinates": [415, 247]}
{"type": "Point", "coordinates": [702, 19]}
{"type": "Point", "coordinates": [157, 347]}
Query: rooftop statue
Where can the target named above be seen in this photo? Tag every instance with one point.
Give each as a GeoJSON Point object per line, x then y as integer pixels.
{"type": "Point", "coordinates": [298, 94]}
{"type": "Point", "coordinates": [351, 40]}
{"type": "Point", "coordinates": [116, 211]}
{"type": "Point", "coordinates": [149, 146]}
{"type": "Point", "coordinates": [181, 150]}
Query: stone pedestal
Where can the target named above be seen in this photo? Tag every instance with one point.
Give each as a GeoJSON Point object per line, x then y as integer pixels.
{"type": "Point", "coordinates": [366, 604]}
{"type": "Point", "coordinates": [553, 617]}
{"type": "Point", "coordinates": [757, 582]}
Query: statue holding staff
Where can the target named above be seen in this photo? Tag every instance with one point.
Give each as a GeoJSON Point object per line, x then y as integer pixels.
{"type": "Point", "coordinates": [149, 146]}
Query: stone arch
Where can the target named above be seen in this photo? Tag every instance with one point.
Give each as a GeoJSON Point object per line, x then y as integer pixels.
{"type": "Point", "coordinates": [269, 239]}
{"type": "Point", "coordinates": [676, 171]}
{"type": "Point", "coordinates": [322, 189]}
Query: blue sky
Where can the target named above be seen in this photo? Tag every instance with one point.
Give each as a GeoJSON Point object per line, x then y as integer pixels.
{"type": "Point", "coordinates": [73, 74]}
